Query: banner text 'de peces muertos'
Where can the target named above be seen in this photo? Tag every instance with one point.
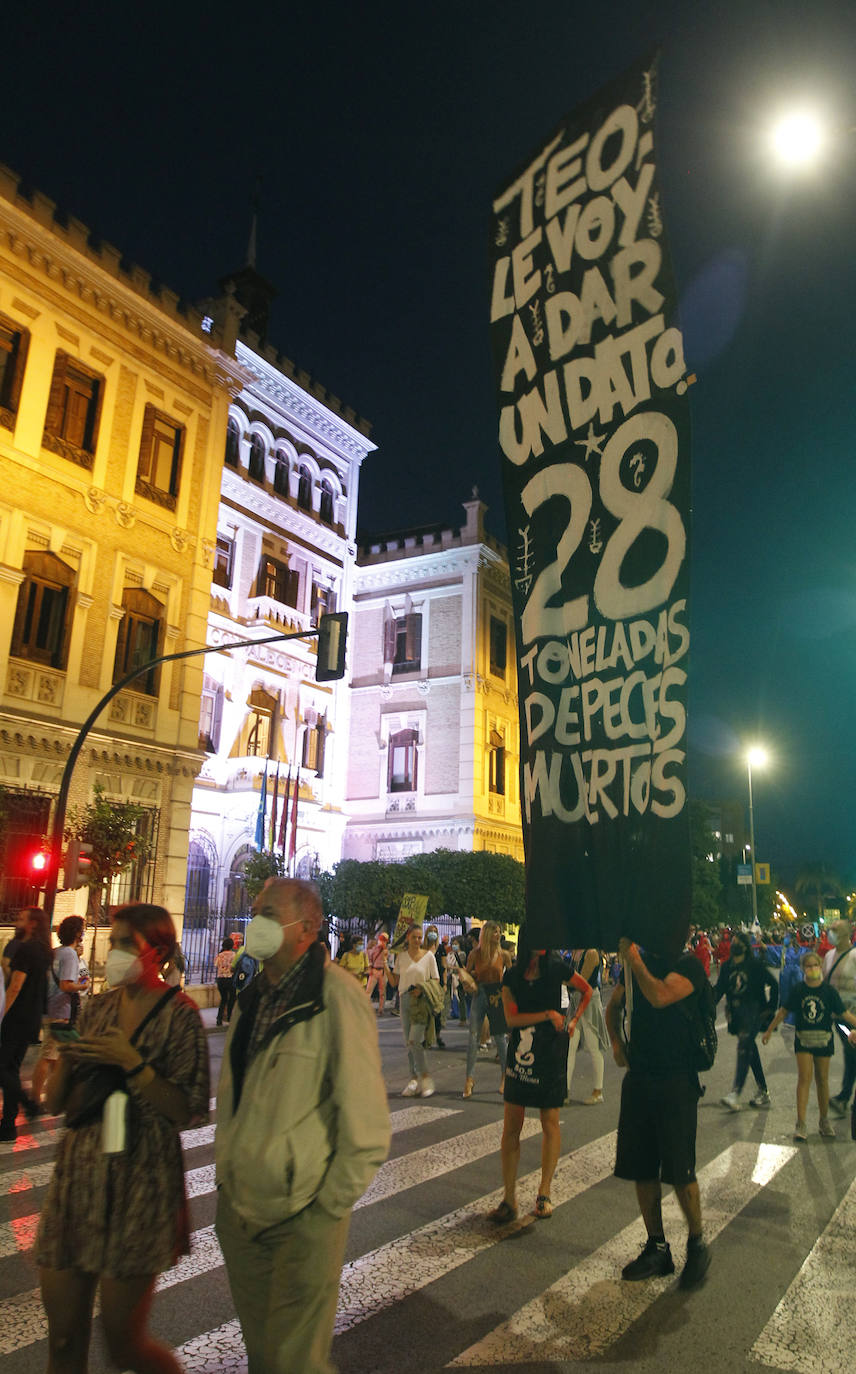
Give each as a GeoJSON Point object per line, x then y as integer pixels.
{"type": "Point", "coordinates": [594, 432]}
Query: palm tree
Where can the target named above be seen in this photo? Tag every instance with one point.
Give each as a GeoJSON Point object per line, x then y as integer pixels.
{"type": "Point", "coordinates": [818, 881]}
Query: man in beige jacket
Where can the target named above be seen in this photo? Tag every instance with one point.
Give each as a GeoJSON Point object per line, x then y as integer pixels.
{"type": "Point", "coordinates": [302, 1126]}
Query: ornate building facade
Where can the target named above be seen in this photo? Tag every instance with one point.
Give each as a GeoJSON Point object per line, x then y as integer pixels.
{"type": "Point", "coordinates": [285, 553]}
{"type": "Point", "coordinates": [113, 413]}
{"type": "Point", "coordinates": [434, 739]}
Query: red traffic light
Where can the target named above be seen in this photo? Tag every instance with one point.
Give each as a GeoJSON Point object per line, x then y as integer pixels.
{"type": "Point", "coordinates": [39, 861]}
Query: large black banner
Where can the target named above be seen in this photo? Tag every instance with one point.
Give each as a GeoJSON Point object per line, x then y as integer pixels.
{"type": "Point", "coordinates": [594, 433]}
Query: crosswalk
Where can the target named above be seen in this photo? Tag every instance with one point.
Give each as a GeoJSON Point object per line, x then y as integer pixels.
{"type": "Point", "coordinates": [424, 1259]}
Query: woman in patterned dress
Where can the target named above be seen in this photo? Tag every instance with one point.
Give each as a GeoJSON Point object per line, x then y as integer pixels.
{"type": "Point", "coordinates": [119, 1220]}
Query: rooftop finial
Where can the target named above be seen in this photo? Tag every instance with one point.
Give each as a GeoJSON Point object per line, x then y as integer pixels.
{"type": "Point", "coordinates": [254, 224]}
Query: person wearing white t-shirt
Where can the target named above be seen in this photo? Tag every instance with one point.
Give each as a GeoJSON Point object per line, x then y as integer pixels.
{"type": "Point", "coordinates": [63, 984]}
{"type": "Point", "coordinates": [413, 967]}
{"type": "Point", "coordinates": [839, 971]}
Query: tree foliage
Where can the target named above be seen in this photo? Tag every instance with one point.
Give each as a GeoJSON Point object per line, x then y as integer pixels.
{"type": "Point", "coordinates": [706, 878]}
{"type": "Point", "coordinates": [111, 828]}
{"type": "Point", "coordinates": [816, 882]}
{"type": "Point", "coordinates": [470, 886]}
{"type": "Point", "coordinates": [258, 867]}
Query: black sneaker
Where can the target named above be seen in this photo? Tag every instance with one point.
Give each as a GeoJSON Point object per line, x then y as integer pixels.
{"type": "Point", "coordinates": [697, 1265]}
{"type": "Point", "coordinates": [8, 1132]}
{"type": "Point", "coordinates": [654, 1260]}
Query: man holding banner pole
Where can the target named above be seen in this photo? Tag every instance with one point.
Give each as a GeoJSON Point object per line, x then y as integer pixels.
{"type": "Point", "coordinates": [659, 1103]}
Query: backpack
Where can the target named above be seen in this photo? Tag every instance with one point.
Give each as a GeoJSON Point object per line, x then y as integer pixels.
{"type": "Point", "coordinates": [700, 1011]}
{"type": "Point", "coordinates": [244, 972]}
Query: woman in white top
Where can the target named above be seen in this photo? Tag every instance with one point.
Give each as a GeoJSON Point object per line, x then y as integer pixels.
{"type": "Point", "coordinates": [413, 967]}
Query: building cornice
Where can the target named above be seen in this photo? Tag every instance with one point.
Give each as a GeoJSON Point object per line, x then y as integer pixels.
{"type": "Point", "coordinates": [298, 404]}
{"type": "Point", "coordinates": [252, 501]}
{"type": "Point", "coordinates": [123, 301]}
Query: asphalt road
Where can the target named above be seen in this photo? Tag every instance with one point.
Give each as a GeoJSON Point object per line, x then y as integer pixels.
{"type": "Point", "coordinates": [429, 1284]}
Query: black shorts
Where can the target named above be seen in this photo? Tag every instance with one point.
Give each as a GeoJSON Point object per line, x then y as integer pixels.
{"type": "Point", "coordinates": [657, 1129]}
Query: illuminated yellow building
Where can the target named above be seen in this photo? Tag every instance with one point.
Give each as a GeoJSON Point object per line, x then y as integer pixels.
{"type": "Point", "coordinates": [434, 740]}
{"type": "Point", "coordinates": [113, 412]}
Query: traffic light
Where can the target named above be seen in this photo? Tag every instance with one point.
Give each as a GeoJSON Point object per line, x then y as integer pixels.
{"type": "Point", "coordinates": [78, 864]}
{"type": "Point", "coordinates": [332, 642]}
{"type": "Point", "coordinates": [38, 866]}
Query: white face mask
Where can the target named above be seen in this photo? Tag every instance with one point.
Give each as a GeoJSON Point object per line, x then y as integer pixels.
{"type": "Point", "coordinates": [264, 937]}
{"type": "Point", "coordinates": [122, 967]}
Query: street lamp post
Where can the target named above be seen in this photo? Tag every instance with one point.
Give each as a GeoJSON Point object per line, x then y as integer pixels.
{"type": "Point", "coordinates": [758, 757]}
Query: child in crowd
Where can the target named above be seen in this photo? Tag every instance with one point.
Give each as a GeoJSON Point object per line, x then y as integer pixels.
{"type": "Point", "coordinates": [815, 1005]}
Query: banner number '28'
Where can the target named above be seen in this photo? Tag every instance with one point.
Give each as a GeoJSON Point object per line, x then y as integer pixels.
{"type": "Point", "coordinates": [635, 511]}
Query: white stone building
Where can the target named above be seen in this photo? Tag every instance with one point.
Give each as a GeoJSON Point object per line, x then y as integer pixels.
{"type": "Point", "coordinates": [285, 553]}
{"type": "Point", "coordinates": [434, 750]}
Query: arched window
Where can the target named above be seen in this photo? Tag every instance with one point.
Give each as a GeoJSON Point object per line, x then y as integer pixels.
{"type": "Point", "coordinates": [139, 639]}
{"type": "Point", "coordinates": [260, 724]}
{"type": "Point", "coordinates": [326, 510]}
{"type": "Point", "coordinates": [198, 883]}
{"type": "Point", "coordinates": [304, 488]}
{"type": "Point", "coordinates": [238, 902]}
{"type": "Point", "coordinates": [43, 614]}
{"type": "Point", "coordinates": [233, 443]}
{"type": "Point", "coordinates": [257, 458]}
{"type": "Point", "coordinates": [402, 761]}
{"type": "Point", "coordinates": [314, 742]}
{"type": "Point", "coordinates": [280, 475]}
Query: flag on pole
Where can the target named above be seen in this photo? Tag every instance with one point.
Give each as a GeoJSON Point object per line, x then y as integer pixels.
{"type": "Point", "coordinates": [272, 844]}
{"type": "Point", "coordinates": [283, 820]}
{"type": "Point", "coordinates": [259, 837]}
{"type": "Point", "coordinates": [292, 847]}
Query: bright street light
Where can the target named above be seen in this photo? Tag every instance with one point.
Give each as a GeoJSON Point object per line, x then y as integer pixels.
{"type": "Point", "coordinates": [756, 757]}
{"type": "Point", "coordinates": [798, 138]}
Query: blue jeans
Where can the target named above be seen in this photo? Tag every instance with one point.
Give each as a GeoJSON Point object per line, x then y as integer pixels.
{"type": "Point", "coordinates": [478, 1011]}
{"type": "Point", "coordinates": [414, 1038]}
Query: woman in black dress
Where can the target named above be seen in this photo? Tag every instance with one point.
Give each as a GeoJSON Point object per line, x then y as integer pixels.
{"type": "Point", "coordinates": [537, 1065]}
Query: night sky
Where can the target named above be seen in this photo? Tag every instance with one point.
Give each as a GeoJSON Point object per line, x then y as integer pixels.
{"type": "Point", "coordinates": [381, 132]}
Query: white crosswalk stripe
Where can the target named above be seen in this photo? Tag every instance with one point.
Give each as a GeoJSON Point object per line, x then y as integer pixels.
{"type": "Point", "coordinates": [586, 1311]}
{"type": "Point", "coordinates": [813, 1329]}
{"type": "Point", "coordinates": [578, 1316]}
{"type": "Point", "coordinates": [20, 1234]}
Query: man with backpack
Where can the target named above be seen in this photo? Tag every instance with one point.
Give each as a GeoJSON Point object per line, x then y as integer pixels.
{"type": "Point", "coordinates": [244, 970]}
{"type": "Point", "coordinates": [668, 1041]}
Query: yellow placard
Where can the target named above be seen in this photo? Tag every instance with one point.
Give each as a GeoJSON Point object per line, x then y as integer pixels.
{"type": "Point", "coordinates": [762, 874]}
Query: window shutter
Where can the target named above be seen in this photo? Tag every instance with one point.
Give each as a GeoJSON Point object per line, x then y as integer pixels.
{"type": "Point", "coordinates": [121, 640]}
{"type": "Point", "coordinates": [56, 398]}
{"type": "Point", "coordinates": [144, 465]}
{"type": "Point", "coordinates": [217, 717]}
{"type": "Point", "coordinates": [292, 587]}
{"type": "Point", "coordinates": [175, 475]}
{"type": "Point", "coordinates": [413, 637]}
{"type": "Point", "coordinates": [388, 639]}
{"type": "Point", "coordinates": [321, 728]}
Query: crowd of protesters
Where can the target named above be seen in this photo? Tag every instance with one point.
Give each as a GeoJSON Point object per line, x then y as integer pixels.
{"type": "Point", "coordinates": [129, 1069]}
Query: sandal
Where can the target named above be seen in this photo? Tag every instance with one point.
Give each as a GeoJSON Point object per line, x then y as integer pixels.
{"type": "Point", "coordinates": [468, 1088]}
{"type": "Point", "coordinates": [543, 1207]}
{"type": "Point", "coordinates": [502, 1214]}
